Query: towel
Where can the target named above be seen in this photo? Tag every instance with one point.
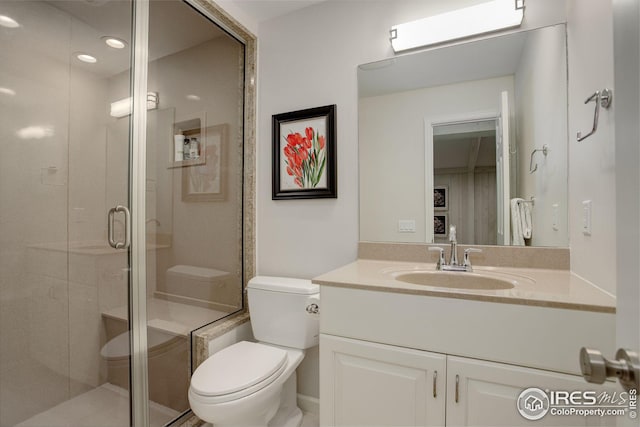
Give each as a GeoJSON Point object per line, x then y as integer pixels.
{"type": "Point", "coordinates": [520, 222]}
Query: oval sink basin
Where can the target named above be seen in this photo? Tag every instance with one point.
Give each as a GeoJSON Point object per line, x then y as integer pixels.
{"type": "Point", "coordinates": [446, 279]}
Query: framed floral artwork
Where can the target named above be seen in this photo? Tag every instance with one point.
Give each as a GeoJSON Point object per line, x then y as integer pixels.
{"type": "Point", "coordinates": [304, 154]}
{"type": "Point", "coordinates": [206, 182]}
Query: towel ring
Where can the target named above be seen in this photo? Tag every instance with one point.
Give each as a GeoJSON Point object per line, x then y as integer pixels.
{"type": "Point", "coordinates": [545, 151]}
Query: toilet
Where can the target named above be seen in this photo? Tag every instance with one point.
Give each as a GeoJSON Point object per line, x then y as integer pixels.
{"type": "Point", "coordinates": [254, 383]}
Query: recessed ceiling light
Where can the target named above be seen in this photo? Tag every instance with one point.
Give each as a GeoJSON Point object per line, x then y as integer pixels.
{"type": "Point", "coordinates": [193, 97]}
{"type": "Point", "coordinates": [8, 22]}
{"type": "Point", "coordinates": [86, 58]}
{"type": "Point", "coordinates": [7, 91]}
{"type": "Point", "coordinates": [114, 42]}
{"type": "Point", "coordinates": [35, 132]}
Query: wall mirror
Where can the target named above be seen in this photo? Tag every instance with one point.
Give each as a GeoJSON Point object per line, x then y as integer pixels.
{"type": "Point", "coordinates": [472, 135]}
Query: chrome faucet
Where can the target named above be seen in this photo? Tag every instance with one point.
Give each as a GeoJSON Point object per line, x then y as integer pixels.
{"type": "Point", "coordinates": [453, 257]}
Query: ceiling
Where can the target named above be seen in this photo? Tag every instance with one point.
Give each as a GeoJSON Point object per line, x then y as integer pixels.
{"type": "Point", "coordinates": [168, 24]}
{"type": "Point", "coordinates": [263, 10]}
{"type": "Point", "coordinates": [168, 34]}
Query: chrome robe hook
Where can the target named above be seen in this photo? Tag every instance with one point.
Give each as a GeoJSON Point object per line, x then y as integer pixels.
{"type": "Point", "coordinates": [601, 98]}
{"type": "Point", "coordinates": [545, 150]}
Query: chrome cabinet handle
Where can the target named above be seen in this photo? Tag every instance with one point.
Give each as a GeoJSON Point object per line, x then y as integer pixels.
{"type": "Point", "coordinates": [435, 380]}
{"type": "Point", "coordinates": [127, 227]}
{"type": "Point", "coordinates": [457, 388]}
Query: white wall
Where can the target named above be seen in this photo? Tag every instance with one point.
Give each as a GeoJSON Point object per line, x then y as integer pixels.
{"type": "Point", "coordinates": [541, 118]}
{"type": "Point", "coordinates": [391, 132]}
{"type": "Point", "coordinates": [307, 59]}
{"type": "Point", "coordinates": [592, 161]}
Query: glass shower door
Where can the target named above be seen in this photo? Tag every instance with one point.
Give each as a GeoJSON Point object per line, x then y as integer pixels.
{"type": "Point", "coordinates": [67, 297]}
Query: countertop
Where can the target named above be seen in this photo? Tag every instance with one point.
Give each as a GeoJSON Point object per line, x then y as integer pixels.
{"type": "Point", "coordinates": [539, 287]}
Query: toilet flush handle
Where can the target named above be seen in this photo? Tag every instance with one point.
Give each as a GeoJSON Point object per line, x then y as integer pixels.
{"type": "Point", "coordinates": [313, 308]}
{"type": "Point", "coordinates": [313, 304]}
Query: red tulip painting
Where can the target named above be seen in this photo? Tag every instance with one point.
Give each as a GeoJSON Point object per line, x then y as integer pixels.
{"type": "Point", "coordinates": [305, 157]}
{"type": "Point", "coordinates": [304, 164]}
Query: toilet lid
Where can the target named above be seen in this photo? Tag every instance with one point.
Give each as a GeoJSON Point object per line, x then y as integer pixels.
{"type": "Point", "coordinates": [244, 366]}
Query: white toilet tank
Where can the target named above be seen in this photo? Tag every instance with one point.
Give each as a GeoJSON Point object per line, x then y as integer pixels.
{"type": "Point", "coordinates": [278, 309]}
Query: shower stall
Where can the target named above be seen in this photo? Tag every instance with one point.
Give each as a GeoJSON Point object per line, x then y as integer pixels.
{"type": "Point", "coordinates": [121, 204]}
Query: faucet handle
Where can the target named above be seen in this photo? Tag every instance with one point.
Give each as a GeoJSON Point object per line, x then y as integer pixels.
{"type": "Point", "coordinates": [466, 259]}
{"type": "Point", "coordinates": [441, 261]}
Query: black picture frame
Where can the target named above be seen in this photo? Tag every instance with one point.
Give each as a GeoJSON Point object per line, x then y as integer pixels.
{"type": "Point", "coordinates": [441, 225]}
{"type": "Point", "coordinates": [304, 154]}
{"type": "Point", "coordinates": [441, 198]}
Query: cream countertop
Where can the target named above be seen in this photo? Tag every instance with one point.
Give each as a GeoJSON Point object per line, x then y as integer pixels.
{"type": "Point", "coordinates": [539, 287]}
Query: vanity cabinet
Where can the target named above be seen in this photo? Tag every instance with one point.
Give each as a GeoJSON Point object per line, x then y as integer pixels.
{"type": "Point", "coordinates": [482, 393]}
{"type": "Point", "coordinates": [365, 383]}
{"type": "Point", "coordinates": [381, 351]}
{"type": "Point", "coordinates": [369, 384]}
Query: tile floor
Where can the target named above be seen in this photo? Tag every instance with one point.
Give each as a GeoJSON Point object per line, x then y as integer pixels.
{"type": "Point", "coordinates": [308, 420]}
{"type": "Point", "coordinates": [108, 406]}
{"type": "Point", "coordinates": [104, 406]}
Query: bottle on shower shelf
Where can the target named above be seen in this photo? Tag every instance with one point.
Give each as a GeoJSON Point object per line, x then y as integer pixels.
{"type": "Point", "coordinates": [194, 151]}
{"type": "Point", "coordinates": [186, 149]}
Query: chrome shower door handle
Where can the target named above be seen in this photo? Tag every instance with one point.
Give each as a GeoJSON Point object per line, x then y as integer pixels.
{"type": "Point", "coordinates": [127, 227]}
{"type": "Point", "coordinates": [110, 222]}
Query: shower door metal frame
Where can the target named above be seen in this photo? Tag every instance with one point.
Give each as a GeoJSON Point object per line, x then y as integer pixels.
{"type": "Point", "coordinates": [139, 390]}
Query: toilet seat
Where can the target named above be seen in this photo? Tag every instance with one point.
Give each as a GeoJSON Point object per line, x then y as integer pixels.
{"type": "Point", "coordinates": [238, 371]}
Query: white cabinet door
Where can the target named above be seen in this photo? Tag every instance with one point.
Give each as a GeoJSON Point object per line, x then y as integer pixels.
{"type": "Point", "coordinates": [369, 384]}
{"type": "Point", "coordinates": [481, 393]}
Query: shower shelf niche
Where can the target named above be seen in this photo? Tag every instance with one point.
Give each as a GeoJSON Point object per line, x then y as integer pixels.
{"type": "Point", "coordinates": [191, 128]}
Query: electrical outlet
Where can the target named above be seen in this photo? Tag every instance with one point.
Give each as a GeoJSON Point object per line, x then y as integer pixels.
{"type": "Point", "coordinates": [555, 217]}
{"type": "Point", "coordinates": [586, 217]}
{"type": "Point", "coordinates": [407, 226]}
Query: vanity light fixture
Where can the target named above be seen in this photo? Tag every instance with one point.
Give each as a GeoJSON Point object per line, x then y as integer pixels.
{"type": "Point", "coordinates": [86, 58]}
{"type": "Point", "coordinates": [124, 106]}
{"type": "Point", "coordinates": [8, 22]}
{"type": "Point", "coordinates": [114, 42]}
{"type": "Point", "coordinates": [479, 19]}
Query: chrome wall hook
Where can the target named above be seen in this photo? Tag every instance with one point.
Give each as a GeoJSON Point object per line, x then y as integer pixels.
{"type": "Point", "coordinates": [602, 99]}
{"type": "Point", "coordinates": [545, 151]}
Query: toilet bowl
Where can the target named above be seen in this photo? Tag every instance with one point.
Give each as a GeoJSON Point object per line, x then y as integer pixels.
{"type": "Point", "coordinates": [254, 383]}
